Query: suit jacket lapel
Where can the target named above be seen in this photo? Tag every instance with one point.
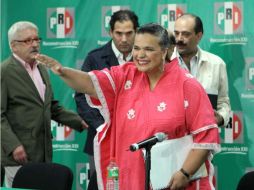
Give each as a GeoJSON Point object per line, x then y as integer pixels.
{"type": "Point", "coordinates": [109, 55]}
{"type": "Point", "coordinates": [21, 71]}
{"type": "Point", "coordinates": [46, 81]}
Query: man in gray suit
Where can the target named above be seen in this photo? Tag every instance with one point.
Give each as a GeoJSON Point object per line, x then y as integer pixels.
{"type": "Point", "coordinates": [27, 104]}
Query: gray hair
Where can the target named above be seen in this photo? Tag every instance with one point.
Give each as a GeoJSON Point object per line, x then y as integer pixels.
{"type": "Point", "coordinates": [18, 27]}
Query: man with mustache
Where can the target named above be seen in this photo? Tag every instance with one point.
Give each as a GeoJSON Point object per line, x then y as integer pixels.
{"type": "Point", "coordinates": [28, 104]}
{"type": "Point", "coordinates": [123, 25]}
{"type": "Point", "coordinates": [209, 69]}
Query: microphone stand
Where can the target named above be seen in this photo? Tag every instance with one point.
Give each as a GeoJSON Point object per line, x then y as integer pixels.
{"type": "Point", "coordinates": [147, 166]}
{"type": "Point", "coordinates": [147, 144]}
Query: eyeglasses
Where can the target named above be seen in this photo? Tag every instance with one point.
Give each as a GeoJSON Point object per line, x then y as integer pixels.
{"type": "Point", "coordinates": [30, 41]}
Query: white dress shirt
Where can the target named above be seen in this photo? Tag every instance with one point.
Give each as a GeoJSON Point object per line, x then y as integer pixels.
{"type": "Point", "coordinates": [119, 55]}
{"type": "Point", "coordinates": [210, 71]}
{"type": "Point", "coordinates": [35, 75]}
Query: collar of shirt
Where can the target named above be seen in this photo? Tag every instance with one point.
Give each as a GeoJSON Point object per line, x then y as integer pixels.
{"type": "Point", "coordinates": [119, 55]}
{"type": "Point", "coordinates": [35, 75]}
{"type": "Point", "coordinates": [194, 62]}
{"type": "Point", "coordinates": [25, 64]}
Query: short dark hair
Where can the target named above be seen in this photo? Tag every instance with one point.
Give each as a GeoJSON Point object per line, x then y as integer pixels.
{"type": "Point", "coordinates": [156, 30]}
{"type": "Point", "coordinates": [172, 39]}
{"type": "Point", "coordinates": [124, 15]}
{"type": "Point", "coordinates": [198, 22]}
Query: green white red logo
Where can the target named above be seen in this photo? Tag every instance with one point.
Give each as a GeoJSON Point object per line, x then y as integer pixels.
{"type": "Point", "coordinates": [60, 22]}
{"type": "Point", "coordinates": [233, 132]}
{"type": "Point", "coordinates": [228, 18]}
{"type": "Point", "coordinates": [61, 132]}
{"type": "Point", "coordinates": [249, 73]}
{"type": "Point", "coordinates": [168, 13]}
{"type": "Point", "coordinates": [82, 175]}
{"type": "Point", "coordinates": [106, 12]}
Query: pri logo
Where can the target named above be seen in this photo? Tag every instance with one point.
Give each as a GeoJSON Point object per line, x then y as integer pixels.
{"type": "Point", "coordinates": [168, 13]}
{"type": "Point", "coordinates": [233, 132]}
{"type": "Point", "coordinates": [249, 73]}
{"type": "Point", "coordinates": [61, 132]}
{"type": "Point", "coordinates": [228, 18]}
{"type": "Point", "coordinates": [82, 178]}
{"type": "Point", "coordinates": [60, 23]}
{"type": "Point", "coordinates": [107, 11]}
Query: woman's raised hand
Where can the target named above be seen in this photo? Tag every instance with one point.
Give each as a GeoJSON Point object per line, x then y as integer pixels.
{"type": "Point", "coordinates": [51, 63]}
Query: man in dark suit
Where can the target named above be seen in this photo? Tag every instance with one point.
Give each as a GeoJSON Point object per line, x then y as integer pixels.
{"type": "Point", "coordinates": [27, 104]}
{"type": "Point", "coordinates": [123, 25]}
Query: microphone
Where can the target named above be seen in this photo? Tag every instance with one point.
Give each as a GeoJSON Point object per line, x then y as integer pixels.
{"type": "Point", "coordinates": [158, 137]}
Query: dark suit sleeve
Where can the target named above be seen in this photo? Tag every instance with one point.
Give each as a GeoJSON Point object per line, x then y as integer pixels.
{"type": "Point", "coordinates": [66, 117]}
{"type": "Point", "coordinates": [92, 116]}
{"type": "Point", "coordinates": [58, 112]}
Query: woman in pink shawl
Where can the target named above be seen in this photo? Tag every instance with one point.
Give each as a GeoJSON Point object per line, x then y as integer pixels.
{"type": "Point", "coordinates": [141, 98]}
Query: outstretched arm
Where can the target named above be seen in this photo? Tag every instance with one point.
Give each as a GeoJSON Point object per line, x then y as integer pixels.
{"type": "Point", "coordinates": [78, 80]}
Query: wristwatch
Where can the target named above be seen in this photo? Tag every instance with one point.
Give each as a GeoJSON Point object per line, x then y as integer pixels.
{"type": "Point", "coordinates": [185, 173]}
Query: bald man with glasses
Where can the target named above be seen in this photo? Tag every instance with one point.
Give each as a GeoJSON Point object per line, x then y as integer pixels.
{"type": "Point", "coordinates": [28, 104]}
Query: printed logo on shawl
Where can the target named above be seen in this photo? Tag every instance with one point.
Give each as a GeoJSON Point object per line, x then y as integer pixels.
{"type": "Point", "coordinates": [186, 104]}
{"type": "Point", "coordinates": [189, 75]}
{"type": "Point", "coordinates": [161, 107]}
{"type": "Point", "coordinates": [128, 85]}
{"type": "Point", "coordinates": [131, 114]}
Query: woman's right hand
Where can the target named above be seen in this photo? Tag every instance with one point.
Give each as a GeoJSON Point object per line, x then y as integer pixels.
{"type": "Point", "coordinates": [51, 63]}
